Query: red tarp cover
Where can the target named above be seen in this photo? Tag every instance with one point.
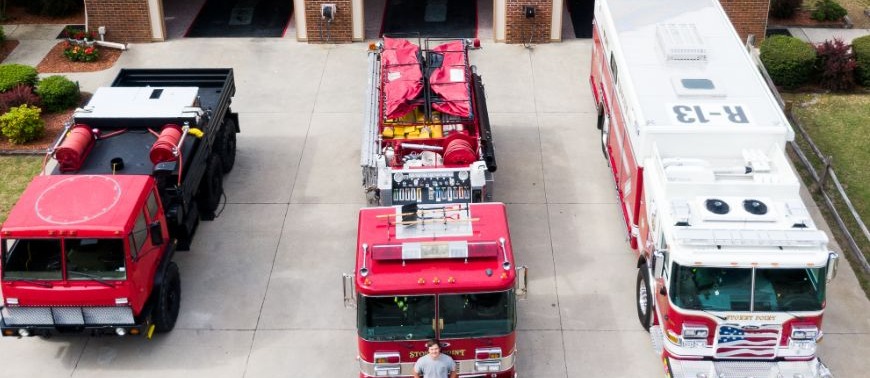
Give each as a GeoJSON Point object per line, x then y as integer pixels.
{"type": "Point", "coordinates": [449, 80]}
{"type": "Point", "coordinates": [401, 77]}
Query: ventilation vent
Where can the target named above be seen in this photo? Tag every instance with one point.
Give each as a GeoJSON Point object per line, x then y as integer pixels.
{"type": "Point", "coordinates": [755, 207]}
{"type": "Point", "coordinates": [681, 42]}
{"type": "Point", "coordinates": [717, 206]}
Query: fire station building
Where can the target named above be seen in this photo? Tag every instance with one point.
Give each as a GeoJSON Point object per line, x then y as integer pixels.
{"type": "Point", "coordinates": [346, 21]}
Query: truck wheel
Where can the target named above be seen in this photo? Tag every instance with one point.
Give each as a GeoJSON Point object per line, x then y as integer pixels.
{"type": "Point", "coordinates": [211, 188]}
{"type": "Point", "coordinates": [168, 300]}
{"type": "Point", "coordinates": [644, 298]}
{"type": "Point", "coordinates": [226, 145]}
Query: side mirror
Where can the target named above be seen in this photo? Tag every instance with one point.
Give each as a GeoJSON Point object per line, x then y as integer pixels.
{"type": "Point", "coordinates": [349, 291]}
{"type": "Point", "coordinates": [522, 283]}
{"type": "Point", "coordinates": [658, 264]}
{"type": "Point", "coordinates": [156, 233]}
{"type": "Point", "coordinates": [833, 265]}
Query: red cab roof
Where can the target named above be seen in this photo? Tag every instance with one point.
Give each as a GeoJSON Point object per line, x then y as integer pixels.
{"type": "Point", "coordinates": [448, 248]}
{"type": "Point", "coordinates": [89, 205]}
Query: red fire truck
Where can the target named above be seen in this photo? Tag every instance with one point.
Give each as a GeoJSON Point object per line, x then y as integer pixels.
{"type": "Point", "coordinates": [442, 271]}
{"type": "Point", "coordinates": [88, 249]}
{"type": "Point", "coordinates": [731, 268]}
{"type": "Point", "coordinates": [426, 134]}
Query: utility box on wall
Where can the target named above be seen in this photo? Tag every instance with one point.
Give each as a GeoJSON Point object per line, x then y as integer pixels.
{"type": "Point", "coordinates": [328, 21]}
{"type": "Point", "coordinates": [528, 21]}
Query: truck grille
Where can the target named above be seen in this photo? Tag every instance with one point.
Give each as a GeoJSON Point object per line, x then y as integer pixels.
{"type": "Point", "coordinates": [67, 316]}
{"type": "Point", "coordinates": [734, 341]}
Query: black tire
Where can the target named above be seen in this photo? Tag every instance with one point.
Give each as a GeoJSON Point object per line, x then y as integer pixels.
{"type": "Point", "coordinates": [644, 298]}
{"type": "Point", "coordinates": [168, 300]}
{"type": "Point", "coordinates": [211, 188]}
{"type": "Point", "coordinates": [226, 145]}
{"type": "Point", "coordinates": [603, 134]}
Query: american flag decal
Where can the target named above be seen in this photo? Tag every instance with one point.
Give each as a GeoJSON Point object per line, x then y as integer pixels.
{"type": "Point", "coordinates": [734, 341]}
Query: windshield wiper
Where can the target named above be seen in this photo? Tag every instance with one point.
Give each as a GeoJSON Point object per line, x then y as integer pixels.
{"type": "Point", "coordinates": [93, 277]}
{"type": "Point", "coordinates": [35, 282]}
{"type": "Point", "coordinates": [710, 313]}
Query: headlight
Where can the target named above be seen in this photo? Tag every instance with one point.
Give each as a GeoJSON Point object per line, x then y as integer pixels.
{"type": "Point", "coordinates": [804, 332]}
{"type": "Point", "coordinates": [695, 331]}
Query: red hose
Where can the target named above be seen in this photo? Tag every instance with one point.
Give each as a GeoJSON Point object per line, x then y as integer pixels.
{"type": "Point", "coordinates": [75, 147]}
{"type": "Point", "coordinates": [164, 149]}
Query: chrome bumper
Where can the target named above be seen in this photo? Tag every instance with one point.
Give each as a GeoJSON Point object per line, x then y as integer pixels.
{"type": "Point", "coordinates": [747, 369]}
{"type": "Point", "coordinates": [465, 368]}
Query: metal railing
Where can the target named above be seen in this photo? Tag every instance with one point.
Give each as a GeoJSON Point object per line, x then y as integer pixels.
{"type": "Point", "coordinates": [819, 179]}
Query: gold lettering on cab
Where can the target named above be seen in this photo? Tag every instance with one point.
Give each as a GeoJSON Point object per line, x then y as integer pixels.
{"type": "Point", "coordinates": [752, 317]}
{"type": "Point", "coordinates": [453, 352]}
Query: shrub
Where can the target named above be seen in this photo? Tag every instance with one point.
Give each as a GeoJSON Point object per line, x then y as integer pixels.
{"type": "Point", "coordinates": [788, 60]}
{"type": "Point", "coordinates": [15, 74]}
{"type": "Point", "coordinates": [17, 96]}
{"type": "Point", "coordinates": [2, 33]}
{"type": "Point", "coordinates": [784, 9]}
{"type": "Point", "coordinates": [58, 93]}
{"type": "Point", "coordinates": [828, 10]}
{"type": "Point", "coordinates": [22, 124]}
{"type": "Point", "coordinates": [861, 49]}
{"type": "Point", "coordinates": [54, 8]}
{"type": "Point", "coordinates": [836, 65]}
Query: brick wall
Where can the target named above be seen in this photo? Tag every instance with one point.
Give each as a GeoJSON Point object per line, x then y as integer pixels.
{"type": "Point", "coordinates": [341, 30]}
{"type": "Point", "coordinates": [748, 17]}
{"type": "Point", "coordinates": [125, 20]}
{"type": "Point", "coordinates": [519, 29]}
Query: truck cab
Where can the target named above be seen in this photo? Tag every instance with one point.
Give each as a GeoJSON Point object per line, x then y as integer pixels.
{"type": "Point", "coordinates": [732, 266]}
{"type": "Point", "coordinates": [88, 254]}
{"type": "Point", "coordinates": [443, 272]}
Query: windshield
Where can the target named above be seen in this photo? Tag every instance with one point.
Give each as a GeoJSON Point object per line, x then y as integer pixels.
{"type": "Point", "coordinates": [31, 259]}
{"type": "Point", "coordinates": [731, 289]}
{"type": "Point", "coordinates": [396, 318]}
{"type": "Point", "coordinates": [474, 315]}
{"type": "Point", "coordinates": [86, 259]}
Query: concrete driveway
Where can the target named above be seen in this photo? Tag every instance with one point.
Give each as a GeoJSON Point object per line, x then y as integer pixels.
{"type": "Point", "coordinates": [261, 288]}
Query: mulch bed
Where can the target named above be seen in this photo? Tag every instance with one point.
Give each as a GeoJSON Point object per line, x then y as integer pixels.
{"type": "Point", "coordinates": [56, 62]}
{"type": "Point", "coordinates": [802, 19]}
{"type": "Point", "coordinates": [18, 16]}
{"type": "Point", "coordinates": [6, 48]}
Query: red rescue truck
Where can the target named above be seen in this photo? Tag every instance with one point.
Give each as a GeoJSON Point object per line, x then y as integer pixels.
{"type": "Point", "coordinates": [88, 249]}
{"type": "Point", "coordinates": [426, 133]}
{"type": "Point", "coordinates": [731, 268]}
{"type": "Point", "coordinates": [444, 272]}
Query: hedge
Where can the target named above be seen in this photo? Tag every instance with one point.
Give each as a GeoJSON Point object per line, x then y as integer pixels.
{"type": "Point", "coordinates": [15, 74]}
{"type": "Point", "coordinates": [861, 49]}
{"type": "Point", "coordinates": [789, 61]}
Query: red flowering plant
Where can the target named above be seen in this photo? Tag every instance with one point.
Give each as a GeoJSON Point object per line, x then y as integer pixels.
{"type": "Point", "coordinates": [76, 52]}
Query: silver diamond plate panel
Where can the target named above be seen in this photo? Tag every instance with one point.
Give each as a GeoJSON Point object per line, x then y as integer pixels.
{"type": "Point", "coordinates": [747, 369]}
{"type": "Point", "coordinates": [18, 316]}
{"type": "Point", "coordinates": [68, 316]}
{"type": "Point", "coordinates": [108, 315]}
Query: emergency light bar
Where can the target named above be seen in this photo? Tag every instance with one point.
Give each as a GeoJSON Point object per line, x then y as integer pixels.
{"type": "Point", "coordinates": [434, 250]}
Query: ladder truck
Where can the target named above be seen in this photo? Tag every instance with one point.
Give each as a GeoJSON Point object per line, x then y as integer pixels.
{"type": "Point", "coordinates": [88, 248]}
{"type": "Point", "coordinates": [731, 268]}
{"type": "Point", "coordinates": [426, 132]}
{"type": "Point", "coordinates": [437, 271]}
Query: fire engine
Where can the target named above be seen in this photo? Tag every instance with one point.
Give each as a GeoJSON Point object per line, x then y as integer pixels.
{"type": "Point", "coordinates": [731, 268]}
{"type": "Point", "coordinates": [88, 248]}
{"type": "Point", "coordinates": [435, 271]}
{"type": "Point", "coordinates": [426, 133]}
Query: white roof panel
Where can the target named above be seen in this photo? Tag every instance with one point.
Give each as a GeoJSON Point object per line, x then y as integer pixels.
{"type": "Point", "coordinates": [682, 64]}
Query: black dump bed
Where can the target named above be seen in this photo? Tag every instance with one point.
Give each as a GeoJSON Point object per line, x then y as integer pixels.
{"type": "Point", "coordinates": [140, 102]}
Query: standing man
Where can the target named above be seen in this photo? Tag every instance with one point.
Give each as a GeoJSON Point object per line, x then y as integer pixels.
{"type": "Point", "coordinates": [434, 364]}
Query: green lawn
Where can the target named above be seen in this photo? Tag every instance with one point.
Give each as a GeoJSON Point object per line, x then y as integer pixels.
{"type": "Point", "coordinates": [839, 124]}
{"type": "Point", "coordinates": [15, 174]}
